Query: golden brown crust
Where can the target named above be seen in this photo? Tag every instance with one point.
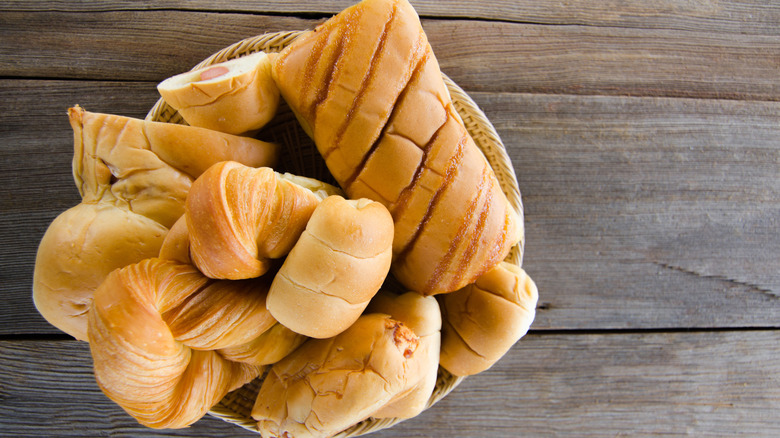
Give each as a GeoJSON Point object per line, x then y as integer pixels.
{"type": "Point", "coordinates": [382, 100]}
{"type": "Point", "coordinates": [337, 265]}
{"type": "Point", "coordinates": [483, 320]}
{"type": "Point", "coordinates": [239, 218]}
{"type": "Point", "coordinates": [328, 385]}
{"type": "Point", "coordinates": [240, 100]}
{"type": "Point", "coordinates": [176, 245]}
{"type": "Point", "coordinates": [148, 167]}
{"type": "Point", "coordinates": [79, 249]}
{"type": "Point", "coordinates": [423, 316]}
{"type": "Point", "coordinates": [133, 176]}
{"type": "Point", "coordinates": [152, 328]}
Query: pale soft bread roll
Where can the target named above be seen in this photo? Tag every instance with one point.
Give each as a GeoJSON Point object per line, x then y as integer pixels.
{"type": "Point", "coordinates": [240, 218]}
{"type": "Point", "coordinates": [153, 329]}
{"type": "Point", "coordinates": [327, 385]}
{"type": "Point", "coordinates": [367, 87]}
{"type": "Point", "coordinates": [335, 268]}
{"type": "Point", "coordinates": [133, 177]}
{"type": "Point", "coordinates": [237, 96]}
{"type": "Point", "coordinates": [423, 316]}
{"type": "Point", "coordinates": [79, 249]}
{"type": "Point", "coordinates": [483, 320]}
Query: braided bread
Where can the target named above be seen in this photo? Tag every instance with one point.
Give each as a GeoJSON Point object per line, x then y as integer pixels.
{"type": "Point", "coordinates": [155, 330]}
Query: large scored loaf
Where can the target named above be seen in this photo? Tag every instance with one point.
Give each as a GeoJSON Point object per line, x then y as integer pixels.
{"type": "Point", "coordinates": [367, 88]}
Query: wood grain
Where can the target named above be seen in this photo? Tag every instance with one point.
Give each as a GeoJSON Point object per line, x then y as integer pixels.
{"type": "Point", "coordinates": [640, 212]}
{"type": "Point", "coordinates": [646, 138]}
{"type": "Point", "coordinates": [617, 384]}
{"type": "Point", "coordinates": [746, 16]}
{"type": "Point", "coordinates": [647, 212]}
{"type": "Point", "coordinates": [505, 57]}
{"type": "Point", "coordinates": [36, 183]}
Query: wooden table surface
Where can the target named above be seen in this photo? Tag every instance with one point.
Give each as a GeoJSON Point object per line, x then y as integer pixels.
{"type": "Point", "coordinates": [646, 140]}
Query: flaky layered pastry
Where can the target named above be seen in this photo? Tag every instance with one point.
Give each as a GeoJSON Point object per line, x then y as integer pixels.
{"type": "Point", "coordinates": [335, 268]}
{"type": "Point", "coordinates": [327, 385]}
{"type": "Point", "coordinates": [367, 88]}
{"type": "Point", "coordinates": [239, 218]}
{"type": "Point", "coordinates": [235, 96]}
{"type": "Point", "coordinates": [133, 176]}
{"type": "Point", "coordinates": [155, 331]}
{"type": "Point", "coordinates": [483, 320]}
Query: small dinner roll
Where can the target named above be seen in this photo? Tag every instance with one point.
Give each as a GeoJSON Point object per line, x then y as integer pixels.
{"type": "Point", "coordinates": [335, 268]}
{"type": "Point", "coordinates": [236, 96]}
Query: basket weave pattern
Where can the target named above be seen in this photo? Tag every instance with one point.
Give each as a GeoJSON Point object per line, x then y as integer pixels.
{"type": "Point", "coordinates": [300, 157]}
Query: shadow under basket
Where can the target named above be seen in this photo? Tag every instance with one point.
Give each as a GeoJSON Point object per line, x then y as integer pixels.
{"type": "Point", "coordinates": [300, 156]}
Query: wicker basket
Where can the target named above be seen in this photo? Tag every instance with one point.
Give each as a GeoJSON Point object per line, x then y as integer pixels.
{"type": "Point", "coordinates": [300, 157]}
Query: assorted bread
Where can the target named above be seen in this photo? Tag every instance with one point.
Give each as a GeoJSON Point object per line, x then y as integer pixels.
{"type": "Point", "coordinates": [192, 266]}
{"type": "Point", "coordinates": [133, 176]}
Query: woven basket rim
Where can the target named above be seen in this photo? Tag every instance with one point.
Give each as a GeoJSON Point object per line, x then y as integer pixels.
{"type": "Point", "coordinates": [483, 134]}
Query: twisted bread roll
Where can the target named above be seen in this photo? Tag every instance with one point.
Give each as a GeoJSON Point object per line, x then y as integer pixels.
{"type": "Point", "coordinates": [239, 218]}
{"type": "Point", "coordinates": [423, 316]}
{"type": "Point", "coordinates": [236, 96]}
{"type": "Point", "coordinates": [367, 88]}
{"type": "Point", "coordinates": [327, 385]}
{"type": "Point", "coordinates": [337, 265]}
{"type": "Point", "coordinates": [270, 347]}
{"type": "Point", "coordinates": [133, 177]}
{"type": "Point", "coordinates": [153, 327]}
{"type": "Point", "coordinates": [483, 320]}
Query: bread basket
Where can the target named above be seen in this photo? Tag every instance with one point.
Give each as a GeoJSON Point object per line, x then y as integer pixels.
{"type": "Point", "coordinates": [301, 157]}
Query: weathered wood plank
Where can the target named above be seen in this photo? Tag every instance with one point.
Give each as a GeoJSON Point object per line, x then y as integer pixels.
{"type": "Point", "coordinates": [700, 383]}
{"type": "Point", "coordinates": [506, 57]}
{"type": "Point", "coordinates": [751, 16]}
{"type": "Point", "coordinates": [36, 183]}
{"type": "Point", "coordinates": [640, 212]}
{"type": "Point", "coordinates": [125, 45]}
{"type": "Point", "coordinates": [647, 212]}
